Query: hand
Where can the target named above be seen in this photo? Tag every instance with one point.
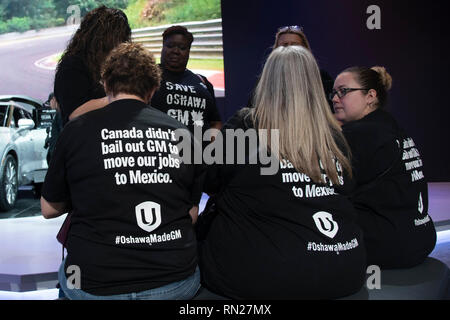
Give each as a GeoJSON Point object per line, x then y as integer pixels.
{"type": "Point", "coordinates": [194, 214]}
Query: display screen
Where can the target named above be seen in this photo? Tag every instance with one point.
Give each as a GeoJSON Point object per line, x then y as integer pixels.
{"type": "Point", "coordinates": [34, 34]}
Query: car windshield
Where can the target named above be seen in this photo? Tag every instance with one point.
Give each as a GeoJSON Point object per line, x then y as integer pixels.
{"type": "Point", "coordinates": [3, 112]}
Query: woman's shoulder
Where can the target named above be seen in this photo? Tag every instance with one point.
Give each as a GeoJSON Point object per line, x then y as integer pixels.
{"type": "Point", "coordinates": [377, 122]}
{"type": "Point", "coordinates": [72, 62]}
{"type": "Point", "coordinates": [240, 120]}
{"type": "Point", "coordinates": [374, 130]}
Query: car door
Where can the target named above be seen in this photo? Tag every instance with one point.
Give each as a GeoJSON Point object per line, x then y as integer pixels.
{"type": "Point", "coordinates": [39, 154]}
{"type": "Point", "coordinates": [22, 139]}
{"type": "Point", "coordinates": [5, 131]}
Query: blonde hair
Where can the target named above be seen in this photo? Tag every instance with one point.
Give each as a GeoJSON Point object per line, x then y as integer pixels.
{"type": "Point", "coordinates": [290, 97]}
{"type": "Point", "coordinates": [385, 77]}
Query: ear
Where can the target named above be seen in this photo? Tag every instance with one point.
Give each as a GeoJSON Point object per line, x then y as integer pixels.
{"type": "Point", "coordinates": [371, 97]}
{"type": "Point", "coordinates": [150, 95]}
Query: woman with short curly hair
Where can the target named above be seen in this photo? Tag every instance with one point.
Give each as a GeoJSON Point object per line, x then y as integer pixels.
{"type": "Point", "coordinates": [133, 201]}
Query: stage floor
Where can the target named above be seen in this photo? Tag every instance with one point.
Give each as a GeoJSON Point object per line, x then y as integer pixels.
{"type": "Point", "coordinates": [30, 254]}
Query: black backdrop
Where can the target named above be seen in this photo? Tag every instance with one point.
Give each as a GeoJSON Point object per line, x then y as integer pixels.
{"type": "Point", "coordinates": [411, 44]}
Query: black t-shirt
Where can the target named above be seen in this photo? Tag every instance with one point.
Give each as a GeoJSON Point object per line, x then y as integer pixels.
{"type": "Point", "coordinates": [74, 86]}
{"type": "Point", "coordinates": [188, 98]}
{"type": "Point", "coordinates": [130, 227]}
{"type": "Point", "coordinates": [279, 236]}
{"type": "Point", "coordinates": [391, 195]}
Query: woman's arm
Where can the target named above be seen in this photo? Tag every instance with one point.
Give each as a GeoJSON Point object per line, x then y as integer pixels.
{"type": "Point", "coordinates": [52, 210]}
{"type": "Point", "coordinates": [194, 214]}
{"type": "Point", "coordinates": [89, 106]}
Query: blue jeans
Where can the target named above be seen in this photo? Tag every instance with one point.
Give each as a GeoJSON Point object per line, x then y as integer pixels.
{"type": "Point", "coordinates": [180, 290]}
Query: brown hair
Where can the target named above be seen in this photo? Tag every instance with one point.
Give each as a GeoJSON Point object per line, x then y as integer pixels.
{"type": "Point", "coordinates": [131, 69]}
{"type": "Point", "coordinates": [376, 78]}
{"type": "Point", "coordinates": [100, 31]}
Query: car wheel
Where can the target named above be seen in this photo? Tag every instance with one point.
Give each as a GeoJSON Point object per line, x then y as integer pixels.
{"type": "Point", "coordinates": [8, 184]}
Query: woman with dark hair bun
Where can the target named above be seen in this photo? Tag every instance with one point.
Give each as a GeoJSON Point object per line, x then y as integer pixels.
{"type": "Point", "coordinates": [77, 85]}
{"type": "Point", "coordinates": [391, 195]}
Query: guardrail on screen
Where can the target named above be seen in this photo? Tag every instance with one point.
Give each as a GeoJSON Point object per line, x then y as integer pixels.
{"type": "Point", "coordinates": [207, 38]}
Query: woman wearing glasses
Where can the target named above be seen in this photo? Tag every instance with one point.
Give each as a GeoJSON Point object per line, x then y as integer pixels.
{"type": "Point", "coordinates": [391, 194]}
{"type": "Point", "coordinates": [289, 234]}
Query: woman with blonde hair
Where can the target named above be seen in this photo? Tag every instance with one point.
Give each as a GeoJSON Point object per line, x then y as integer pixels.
{"type": "Point", "coordinates": [289, 235]}
{"type": "Point", "coordinates": [391, 195]}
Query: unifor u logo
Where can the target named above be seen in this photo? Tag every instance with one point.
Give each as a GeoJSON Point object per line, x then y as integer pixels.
{"type": "Point", "coordinates": [420, 204]}
{"type": "Point", "coordinates": [148, 215]}
{"type": "Point", "coordinates": [325, 223]}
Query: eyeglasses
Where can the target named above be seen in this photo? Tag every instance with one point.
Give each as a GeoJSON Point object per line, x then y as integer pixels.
{"type": "Point", "coordinates": [341, 92]}
{"type": "Point", "coordinates": [290, 28]}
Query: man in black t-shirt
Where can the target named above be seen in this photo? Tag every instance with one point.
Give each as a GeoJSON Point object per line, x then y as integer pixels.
{"type": "Point", "coordinates": [184, 95]}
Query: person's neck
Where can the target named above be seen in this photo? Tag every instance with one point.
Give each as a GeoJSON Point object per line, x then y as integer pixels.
{"type": "Point", "coordinates": [122, 96]}
{"type": "Point", "coordinates": [178, 71]}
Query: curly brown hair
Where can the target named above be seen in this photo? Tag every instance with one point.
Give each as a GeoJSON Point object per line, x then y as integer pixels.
{"type": "Point", "coordinates": [131, 69]}
{"type": "Point", "coordinates": [100, 31]}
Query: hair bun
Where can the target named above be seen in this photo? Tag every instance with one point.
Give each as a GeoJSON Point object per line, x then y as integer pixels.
{"type": "Point", "coordinates": [386, 78]}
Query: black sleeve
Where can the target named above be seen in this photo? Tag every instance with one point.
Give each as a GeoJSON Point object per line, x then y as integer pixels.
{"type": "Point", "coordinates": [198, 185]}
{"type": "Point", "coordinates": [55, 188]}
{"type": "Point", "coordinates": [73, 86]}
{"type": "Point", "coordinates": [199, 177]}
{"type": "Point", "coordinates": [199, 170]}
{"type": "Point", "coordinates": [212, 113]}
{"type": "Point", "coordinates": [371, 157]}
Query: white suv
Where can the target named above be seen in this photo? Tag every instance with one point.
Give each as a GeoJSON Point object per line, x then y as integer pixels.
{"type": "Point", "coordinates": [23, 130]}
